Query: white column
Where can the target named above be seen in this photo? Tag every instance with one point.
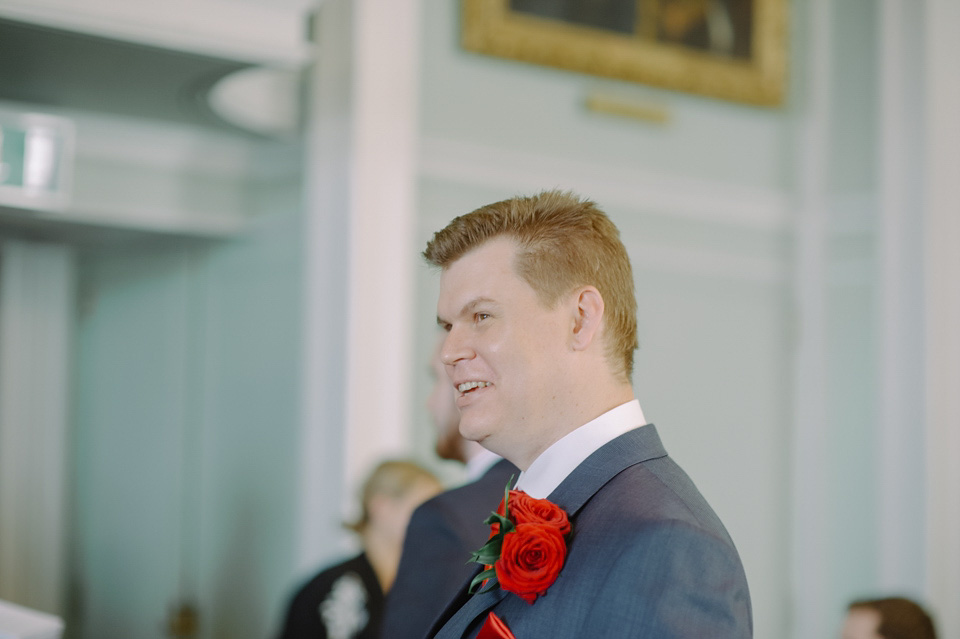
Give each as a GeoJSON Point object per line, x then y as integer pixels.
{"type": "Point", "coordinates": [326, 208]}
{"type": "Point", "coordinates": [382, 253]}
{"type": "Point", "coordinates": [360, 178]}
{"type": "Point", "coordinates": [36, 322]}
{"type": "Point", "coordinates": [900, 401]}
{"type": "Point", "coordinates": [809, 527]}
{"type": "Point", "coordinates": [942, 233]}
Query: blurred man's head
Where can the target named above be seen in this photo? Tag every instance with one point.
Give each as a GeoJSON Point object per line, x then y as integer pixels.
{"type": "Point", "coordinates": [888, 618]}
{"type": "Point", "coordinates": [442, 405]}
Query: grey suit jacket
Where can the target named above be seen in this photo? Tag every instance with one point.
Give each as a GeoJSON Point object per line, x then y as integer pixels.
{"type": "Point", "coordinates": [646, 558]}
{"type": "Point", "coordinates": [442, 534]}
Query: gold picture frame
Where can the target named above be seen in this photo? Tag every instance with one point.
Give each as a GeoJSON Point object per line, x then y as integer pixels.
{"type": "Point", "coordinates": [654, 42]}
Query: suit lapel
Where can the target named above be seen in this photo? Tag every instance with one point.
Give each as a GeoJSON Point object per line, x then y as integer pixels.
{"type": "Point", "coordinates": [475, 606]}
{"type": "Point", "coordinates": [464, 608]}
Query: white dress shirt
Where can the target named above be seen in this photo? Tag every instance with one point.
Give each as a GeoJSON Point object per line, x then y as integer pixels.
{"type": "Point", "coordinates": [556, 462]}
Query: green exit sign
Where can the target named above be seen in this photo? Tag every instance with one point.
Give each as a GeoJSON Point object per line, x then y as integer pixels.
{"type": "Point", "coordinates": [35, 160]}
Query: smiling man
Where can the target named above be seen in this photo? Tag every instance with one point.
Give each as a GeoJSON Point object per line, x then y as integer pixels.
{"type": "Point", "coordinates": [537, 299]}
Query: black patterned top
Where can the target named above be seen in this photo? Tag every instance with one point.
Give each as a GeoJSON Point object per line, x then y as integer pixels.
{"type": "Point", "coordinates": [342, 602]}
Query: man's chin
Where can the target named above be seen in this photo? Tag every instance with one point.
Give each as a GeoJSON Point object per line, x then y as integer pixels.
{"type": "Point", "coordinates": [474, 433]}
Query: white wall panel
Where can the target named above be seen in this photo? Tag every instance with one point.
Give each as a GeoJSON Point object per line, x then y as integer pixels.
{"type": "Point", "coordinates": [37, 284]}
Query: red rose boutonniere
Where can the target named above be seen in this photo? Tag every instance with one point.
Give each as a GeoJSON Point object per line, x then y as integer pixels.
{"type": "Point", "coordinates": [526, 549]}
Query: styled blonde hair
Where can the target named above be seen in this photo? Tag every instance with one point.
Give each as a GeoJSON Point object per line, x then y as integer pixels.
{"type": "Point", "coordinates": [564, 242]}
{"type": "Point", "coordinates": [393, 478]}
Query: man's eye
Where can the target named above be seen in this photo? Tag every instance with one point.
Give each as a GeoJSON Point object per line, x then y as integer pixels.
{"type": "Point", "coordinates": [482, 316]}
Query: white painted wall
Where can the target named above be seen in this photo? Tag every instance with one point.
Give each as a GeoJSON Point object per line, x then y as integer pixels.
{"type": "Point", "coordinates": [187, 388]}
{"type": "Point", "coordinates": [942, 310]}
{"type": "Point", "coordinates": [37, 286]}
{"type": "Point", "coordinates": [186, 423]}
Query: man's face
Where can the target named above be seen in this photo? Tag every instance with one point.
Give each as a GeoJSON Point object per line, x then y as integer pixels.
{"type": "Point", "coordinates": [503, 351]}
{"type": "Point", "coordinates": [861, 623]}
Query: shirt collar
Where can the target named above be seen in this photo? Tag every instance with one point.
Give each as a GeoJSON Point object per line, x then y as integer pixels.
{"type": "Point", "coordinates": [480, 463]}
{"type": "Point", "coordinates": [563, 456]}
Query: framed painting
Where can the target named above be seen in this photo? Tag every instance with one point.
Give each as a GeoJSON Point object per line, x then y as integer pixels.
{"type": "Point", "coordinates": [729, 49]}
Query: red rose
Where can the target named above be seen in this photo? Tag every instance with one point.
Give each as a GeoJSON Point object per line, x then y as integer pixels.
{"type": "Point", "coordinates": [526, 547]}
{"type": "Point", "coordinates": [530, 559]}
{"type": "Point", "coordinates": [524, 509]}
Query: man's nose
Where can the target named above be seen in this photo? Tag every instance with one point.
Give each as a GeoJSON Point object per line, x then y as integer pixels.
{"type": "Point", "coordinates": [455, 348]}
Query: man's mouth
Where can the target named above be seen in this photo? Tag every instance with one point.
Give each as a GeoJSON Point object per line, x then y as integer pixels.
{"type": "Point", "coordinates": [466, 387]}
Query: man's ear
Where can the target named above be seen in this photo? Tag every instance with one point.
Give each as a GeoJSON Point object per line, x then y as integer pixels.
{"type": "Point", "coordinates": [589, 314]}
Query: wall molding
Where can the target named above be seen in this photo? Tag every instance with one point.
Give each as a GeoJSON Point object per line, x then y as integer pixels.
{"type": "Point", "coordinates": [166, 146]}
{"type": "Point", "coordinates": [713, 263]}
{"type": "Point", "coordinates": [257, 32]}
{"type": "Point", "coordinates": [170, 147]}
{"type": "Point", "coordinates": [708, 263]}
{"type": "Point", "coordinates": [610, 184]}
{"type": "Point", "coordinates": [146, 176]}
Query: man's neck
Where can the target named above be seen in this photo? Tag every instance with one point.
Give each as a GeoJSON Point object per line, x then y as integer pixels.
{"type": "Point", "coordinates": [550, 468]}
{"type": "Point", "coordinates": [577, 416]}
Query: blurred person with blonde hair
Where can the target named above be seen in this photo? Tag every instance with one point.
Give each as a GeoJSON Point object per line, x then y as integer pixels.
{"type": "Point", "coordinates": [345, 601]}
